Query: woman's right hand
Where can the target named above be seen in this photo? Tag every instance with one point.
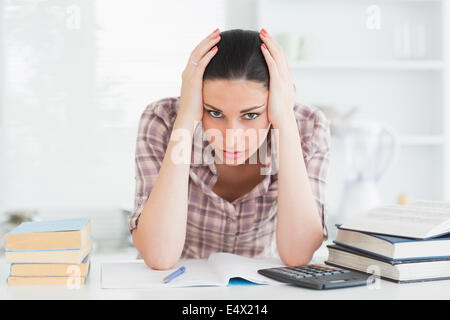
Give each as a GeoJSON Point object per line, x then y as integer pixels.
{"type": "Point", "coordinates": [191, 98]}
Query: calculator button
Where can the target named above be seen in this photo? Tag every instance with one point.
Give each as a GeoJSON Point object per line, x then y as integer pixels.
{"type": "Point", "coordinates": [284, 272]}
{"type": "Point", "coordinates": [304, 275]}
{"type": "Point", "coordinates": [321, 269]}
{"type": "Point", "coordinates": [343, 271]}
{"type": "Point", "coordinates": [300, 269]}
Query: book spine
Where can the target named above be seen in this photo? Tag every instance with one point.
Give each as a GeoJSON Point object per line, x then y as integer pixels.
{"type": "Point", "coordinates": [42, 281]}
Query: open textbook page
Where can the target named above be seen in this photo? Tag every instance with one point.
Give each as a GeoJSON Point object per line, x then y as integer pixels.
{"type": "Point", "coordinates": [217, 270]}
{"type": "Point", "coordinates": [419, 219]}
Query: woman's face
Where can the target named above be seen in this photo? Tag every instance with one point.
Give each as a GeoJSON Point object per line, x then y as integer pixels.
{"type": "Point", "coordinates": [235, 118]}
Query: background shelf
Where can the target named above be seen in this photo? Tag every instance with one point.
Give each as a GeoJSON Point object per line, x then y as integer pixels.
{"type": "Point", "coordinates": [409, 65]}
{"type": "Point", "coordinates": [396, 74]}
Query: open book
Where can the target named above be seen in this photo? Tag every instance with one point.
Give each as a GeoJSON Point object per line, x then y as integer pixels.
{"type": "Point", "coordinates": [217, 270]}
{"type": "Point", "coordinates": [419, 220]}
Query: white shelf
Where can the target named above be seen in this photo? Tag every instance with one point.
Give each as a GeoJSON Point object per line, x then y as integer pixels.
{"type": "Point", "coordinates": [370, 1]}
{"type": "Point", "coordinates": [348, 64]}
{"type": "Point", "coordinates": [421, 140]}
{"type": "Point", "coordinates": [395, 65]}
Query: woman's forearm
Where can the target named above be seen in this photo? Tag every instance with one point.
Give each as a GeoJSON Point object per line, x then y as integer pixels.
{"type": "Point", "coordinates": [161, 231]}
{"type": "Point", "coordinates": [298, 231]}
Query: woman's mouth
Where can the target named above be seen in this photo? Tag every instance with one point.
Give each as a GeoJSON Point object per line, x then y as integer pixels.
{"type": "Point", "coordinates": [232, 155]}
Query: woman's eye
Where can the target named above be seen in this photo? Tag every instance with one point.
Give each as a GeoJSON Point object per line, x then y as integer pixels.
{"type": "Point", "coordinates": [251, 116]}
{"type": "Point", "coordinates": [214, 114]}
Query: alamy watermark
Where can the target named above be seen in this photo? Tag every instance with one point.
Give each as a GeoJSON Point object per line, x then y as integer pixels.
{"type": "Point", "coordinates": [373, 21]}
{"type": "Point", "coordinates": [234, 140]}
{"type": "Point", "coordinates": [373, 281]}
{"type": "Point", "coordinates": [73, 17]}
{"type": "Point", "coordinates": [75, 280]}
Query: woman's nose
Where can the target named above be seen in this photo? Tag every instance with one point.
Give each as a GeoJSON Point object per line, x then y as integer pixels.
{"type": "Point", "coordinates": [235, 130]}
{"type": "Point", "coordinates": [235, 136]}
{"type": "Point", "coordinates": [235, 125]}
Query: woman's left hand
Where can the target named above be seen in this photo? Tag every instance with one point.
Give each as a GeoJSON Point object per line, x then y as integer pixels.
{"type": "Point", "coordinates": [282, 95]}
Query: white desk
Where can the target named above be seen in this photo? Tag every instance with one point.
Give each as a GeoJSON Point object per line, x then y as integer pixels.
{"type": "Point", "coordinates": [92, 290]}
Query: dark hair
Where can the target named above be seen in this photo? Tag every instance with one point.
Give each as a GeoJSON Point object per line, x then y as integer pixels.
{"type": "Point", "coordinates": [239, 56]}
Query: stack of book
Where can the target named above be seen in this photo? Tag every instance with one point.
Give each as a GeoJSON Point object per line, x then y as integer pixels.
{"type": "Point", "coordinates": [49, 252]}
{"type": "Point", "coordinates": [401, 243]}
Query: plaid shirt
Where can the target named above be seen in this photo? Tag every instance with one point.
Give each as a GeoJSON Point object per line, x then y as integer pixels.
{"type": "Point", "coordinates": [247, 225]}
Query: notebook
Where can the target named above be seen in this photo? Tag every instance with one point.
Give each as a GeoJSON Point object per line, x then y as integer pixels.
{"type": "Point", "coordinates": [217, 270]}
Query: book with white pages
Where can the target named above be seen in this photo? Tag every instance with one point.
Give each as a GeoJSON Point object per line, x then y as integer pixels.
{"type": "Point", "coordinates": [421, 219]}
{"type": "Point", "coordinates": [217, 270]}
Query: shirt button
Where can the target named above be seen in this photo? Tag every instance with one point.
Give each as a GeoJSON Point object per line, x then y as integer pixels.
{"type": "Point", "coordinates": [229, 220]}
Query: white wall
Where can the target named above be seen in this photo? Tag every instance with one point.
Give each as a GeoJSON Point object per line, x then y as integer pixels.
{"type": "Point", "coordinates": [2, 91]}
{"type": "Point", "coordinates": [78, 76]}
{"type": "Point", "coordinates": [409, 99]}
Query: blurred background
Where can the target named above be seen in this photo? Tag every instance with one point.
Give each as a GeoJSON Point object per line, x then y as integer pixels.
{"type": "Point", "coordinates": [75, 76]}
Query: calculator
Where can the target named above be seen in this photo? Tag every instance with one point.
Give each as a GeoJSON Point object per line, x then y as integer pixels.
{"type": "Point", "coordinates": [317, 276]}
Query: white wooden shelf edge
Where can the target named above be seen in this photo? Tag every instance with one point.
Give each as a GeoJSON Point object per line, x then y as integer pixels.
{"type": "Point", "coordinates": [368, 65]}
{"type": "Point", "coordinates": [421, 140]}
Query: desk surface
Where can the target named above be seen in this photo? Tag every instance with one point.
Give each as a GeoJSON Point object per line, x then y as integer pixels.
{"type": "Point", "coordinates": [92, 290]}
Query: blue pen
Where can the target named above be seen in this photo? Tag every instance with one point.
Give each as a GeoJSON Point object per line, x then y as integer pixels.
{"type": "Point", "coordinates": [174, 274]}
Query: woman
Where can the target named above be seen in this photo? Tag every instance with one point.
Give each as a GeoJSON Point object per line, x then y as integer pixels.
{"type": "Point", "coordinates": [268, 207]}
